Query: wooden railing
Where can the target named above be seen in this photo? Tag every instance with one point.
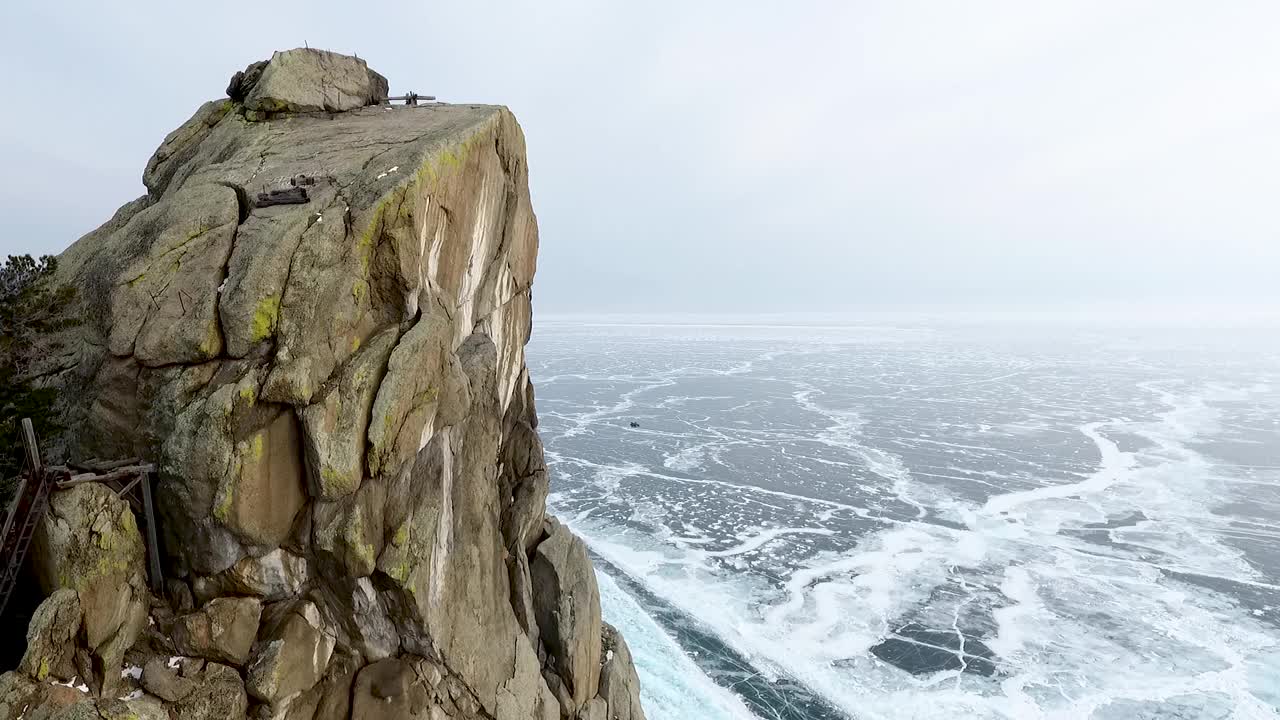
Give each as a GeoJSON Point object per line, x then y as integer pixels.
{"type": "Point", "coordinates": [130, 479]}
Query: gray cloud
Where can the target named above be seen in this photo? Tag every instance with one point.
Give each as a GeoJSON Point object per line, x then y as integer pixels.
{"type": "Point", "coordinates": [721, 156]}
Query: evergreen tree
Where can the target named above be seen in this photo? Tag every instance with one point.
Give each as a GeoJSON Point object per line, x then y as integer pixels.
{"type": "Point", "coordinates": [30, 307]}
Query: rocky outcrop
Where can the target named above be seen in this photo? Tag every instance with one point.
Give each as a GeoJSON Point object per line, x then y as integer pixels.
{"type": "Point", "coordinates": [566, 603]}
{"type": "Point", "coordinates": [352, 489]}
{"type": "Point", "coordinates": [51, 636]}
{"type": "Point", "coordinates": [619, 684]}
{"type": "Point", "coordinates": [292, 656]}
{"type": "Point", "coordinates": [89, 543]}
{"type": "Point", "coordinates": [165, 682]}
{"type": "Point", "coordinates": [223, 629]}
{"type": "Point", "coordinates": [306, 80]}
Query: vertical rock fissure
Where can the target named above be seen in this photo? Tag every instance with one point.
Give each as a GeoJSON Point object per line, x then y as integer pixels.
{"type": "Point", "coordinates": [243, 210]}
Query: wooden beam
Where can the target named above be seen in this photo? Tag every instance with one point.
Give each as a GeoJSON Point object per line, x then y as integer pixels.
{"type": "Point", "coordinates": [153, 549]}
{"type": "Point", "coordinates": [124, 490]}
{"type": "Point", "coordinates": [13, 508]}
{"type": "Point", "coordinates": [117, 474]}
{"type": "Point", "coordinates": [33, 450]}
{"type": "Point", "coordinates": [96, 465]}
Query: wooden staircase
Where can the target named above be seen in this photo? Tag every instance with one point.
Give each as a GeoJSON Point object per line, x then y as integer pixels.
{"type": "Point", "coordinates": [128, 479]}
{"type": "Point", "coordinates": [24, 513]}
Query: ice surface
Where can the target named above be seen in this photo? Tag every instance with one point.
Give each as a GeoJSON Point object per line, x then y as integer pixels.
{"type": "Point", "coordinates": [927, 521]}
{"type": "Point", "coordinates": [671, 686]}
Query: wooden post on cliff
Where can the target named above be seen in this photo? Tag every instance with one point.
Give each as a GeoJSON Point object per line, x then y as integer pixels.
{"type": "Point", "coordinates": [153, 550]}
{"type": "Point", "coordinates": [33, 450]}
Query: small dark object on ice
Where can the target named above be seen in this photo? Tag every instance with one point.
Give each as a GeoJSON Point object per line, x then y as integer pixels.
{"type": "Point", "coordinates": [289, 196]}
{"type": "Point", "coordinates": [635, 424]}
{"type": "Point", "coordinates": [299, 180]}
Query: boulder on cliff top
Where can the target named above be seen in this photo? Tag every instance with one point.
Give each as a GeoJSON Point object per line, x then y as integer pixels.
{"type": "Point", "coordinates": [307, 80]}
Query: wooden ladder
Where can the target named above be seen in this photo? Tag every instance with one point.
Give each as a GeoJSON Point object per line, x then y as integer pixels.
{"type": "Point", "coordinates": [25, 512]}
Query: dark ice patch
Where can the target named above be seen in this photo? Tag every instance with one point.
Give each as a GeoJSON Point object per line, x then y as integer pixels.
{"type": "Point", "coordinates": [1129, 520]}
{"type": "Point", "coordinates": [1100, 533]}
{"type": "Point", "coordinates": [922, 651]}
{"type": "Point", "coordinates": [1260, 600]}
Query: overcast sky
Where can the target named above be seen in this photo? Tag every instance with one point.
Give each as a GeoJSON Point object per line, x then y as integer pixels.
{"type": "Point", "coordinates": [747, 156]}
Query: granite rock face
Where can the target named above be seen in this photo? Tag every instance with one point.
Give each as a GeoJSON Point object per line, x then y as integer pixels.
{"type": "Point", "coordinates": [352, 489]}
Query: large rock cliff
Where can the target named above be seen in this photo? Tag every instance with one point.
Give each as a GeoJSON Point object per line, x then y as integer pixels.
{"type": "Point", "coordinates": [351, 484]}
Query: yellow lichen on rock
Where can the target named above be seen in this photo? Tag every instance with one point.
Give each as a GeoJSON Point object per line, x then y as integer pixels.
{"type": "Point", "coordinates": [265, 316]}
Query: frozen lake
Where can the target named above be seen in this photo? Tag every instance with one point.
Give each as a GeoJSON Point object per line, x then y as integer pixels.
{"type": "Point", "coordinates": [919, 519]}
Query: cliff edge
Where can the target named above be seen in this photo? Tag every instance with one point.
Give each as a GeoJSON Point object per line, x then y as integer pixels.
{"type": "Point", "coordinates": [314, 324]}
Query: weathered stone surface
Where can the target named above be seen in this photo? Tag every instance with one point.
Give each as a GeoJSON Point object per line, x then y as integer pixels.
{"type": "Point", "coordinates": [522, 596]}
{"type": "Point", "coordinates": [350, 533]}
{"type": "Point", "coordinates": [567, 603]}
{"type": "Point", "coordinates": [189, 667]}
{"type": "Point", "coordinates": [259, 502]}
{"type": "Point", "coordinates": [142, 708]}
{"type": "Point", "coordinates": [219, 695]}
{"type": "Point", "coordinates": [596, 709]}
{"type": "Point", "coordinates": [335, 688]}
{"type": "Point", "coordinates": [164, 308]}
{"type": "Point", "coordinates": [18, 693]}
{"type": "Point", "coordinates": [223, 629]}
{"type": "Point", "coordinates": [381, 691]}
{"type": "Point", "coordinates": [180, 145]}
{"type": "Point", "coordinates": [88, 542]}
{"type": "Point", "coordinates": [415, 687]}
{"type": "Point", "coordinates": [337, 424]}
{"type": "Point", "coordinates": [375, 635]}
{"type": "Point", "coordinates": [302, 706]}
{"type": "Point", "coordinates": [244, 80]}
{"type": "Point", "coordinates": [202, 463]}
{"type": "Point", "coordinates": [51, 636]}
{"type": "Point", "coordinates": [424, 389]}
{"type": "Point", "coordinates": [559, 692]}
{"type": "Point", "coordinates": [164, 682]}
{"type": "Point", "coordinates": [81, 709]}
{"type": "Point", "coordinates": [523, 695]}
{"type": "Point", "coordinates": [445, 559]}
{"type": "Point", "coordinates": [275, 576]}
{"type": "Point", "coordinates": [619, 684]}
{"type": "Point", "coordinates": [524, 484]}
{"type": "Point", "coordinates": [109, 657]}
{"type": "Point", "coordinates": [306, 80]}
{"type": "Point", "coordinates": [178, 593]}
{"type": "Point", "coordinates": [292, 658]}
